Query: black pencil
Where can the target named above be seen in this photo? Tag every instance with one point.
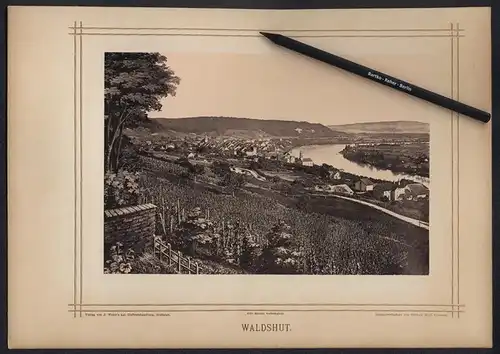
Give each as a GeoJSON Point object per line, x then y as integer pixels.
{"type": "Point", "coordinates": [377, 76]}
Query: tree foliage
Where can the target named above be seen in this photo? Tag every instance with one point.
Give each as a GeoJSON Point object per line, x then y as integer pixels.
{"type": "Point", "coordinates": [134, 84]}
{"type": "Point", "coordinates": [121, 189]}
{"type": "Point", "coordinates": [250, 252]}
{"type": "Point", "coordinates": [195, 231]}
{"type": "Point", "coordinates": [280, 256]}
{"type": "Point", "coordinates": [233, 181]}
{"type": "Point", "coordinates": [221, 168]}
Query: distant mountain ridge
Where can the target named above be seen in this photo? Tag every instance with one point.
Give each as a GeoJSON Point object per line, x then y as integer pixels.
{"type": "Point", "coordinates": [244, 127]}
{"type": "Point", "coordinates": [395, 127]}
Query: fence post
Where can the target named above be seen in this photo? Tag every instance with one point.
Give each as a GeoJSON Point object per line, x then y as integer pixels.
{"type": "Point", "coordinates": [178, 212]}
{"type": "Point", "coordinates": [189, 265]}
{"type": "Point", "coordinates": [154, 246]}
{"type": "Point", "coordinates": [161, 251]}
{"type": "Point", "coordinates": [197, 268]}
{"type": "Point", "coordinates": [169, 254]}
{"type": "Point", "coordinates": [179, 262]}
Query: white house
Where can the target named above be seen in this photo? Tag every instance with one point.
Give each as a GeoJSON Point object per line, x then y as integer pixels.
{"type": "Point", "coordinates": [412, 191]}
{"type": "Point", "coordinates": [364, 185]}
{"type": "Point", "coordinates": [252, 152]}
{"type": "Point", "coordinates": [399, 193]}
{"type": "Point", "coordinates": [417, 191]}
{"type": "Point", "coordinates": [340, 188]}
{"type": "Point", "coordinates": [307, 161]}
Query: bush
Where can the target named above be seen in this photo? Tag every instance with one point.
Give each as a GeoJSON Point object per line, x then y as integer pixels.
{"type": "Point", "coordinates": [120, 260]}
{"type": "Point", "coordinates": [280, 256]}
{"type": "Point", "coordinates": [121, 189]}
{"type": "Point", "coordinates": [220, 168]}
{"type": "Point", "coordinates": [250, 252]}
{"type": "Point", "coordinates": [195, 232]}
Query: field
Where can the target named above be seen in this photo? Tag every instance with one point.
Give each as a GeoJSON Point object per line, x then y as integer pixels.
{"type": "Point", "coordinates": [415, 209]}
{"type": "Point", "coordinates": [335, 236]}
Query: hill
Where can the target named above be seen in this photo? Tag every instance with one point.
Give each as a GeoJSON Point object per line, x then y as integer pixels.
{"type": "Point", "coordinates": [394, 127]}
{"type": "Point", "coordinates": [244, 127]}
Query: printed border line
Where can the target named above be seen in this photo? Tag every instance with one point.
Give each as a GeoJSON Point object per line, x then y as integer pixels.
{"type": "Point", "coordinates": [452, 172]}
{"type": "Point", "coordinates": [81, 169]}
{"type": "Point", "coordinates": [75, 119]}
{"type": "Point", "coordinates": [458, 171]}
{"type": "Point", "coordinates": [259, 36]}
{"type": "Point", "coordinates": [268, 304]}
{"type": "Point", "coordinates": [80, 303]}
{"type": "Point", "coordinates": [264, 29]}
{"type": "Point", "coordinates": [273, 310]}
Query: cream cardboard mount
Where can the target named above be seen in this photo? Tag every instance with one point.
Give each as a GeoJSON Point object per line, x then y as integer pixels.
{"type": "Point", "coordinates": [175, 180]}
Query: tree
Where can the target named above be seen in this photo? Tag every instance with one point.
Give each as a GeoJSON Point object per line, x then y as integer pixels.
{"type": "Point", "coordinates": [280, 255]}
{"type": "Point", "coordinates": [250, 252]}
{"type": "Point", "coordinates": [196, 233]}
{"type": "Point", "coordinates": [255, 165]}
{"type": "Point", "coordinates": [134, 84]}
{"type": "Point", "coordinates": [221, 168]}
{"type": "Point", "coordinates": [233, 181]}
{"type": "Point", "coordinates": [121, 189]}
{"type": "Point", "coordinates": [196, 170]}
{"type": "Point", "coordinates": [192, 169]}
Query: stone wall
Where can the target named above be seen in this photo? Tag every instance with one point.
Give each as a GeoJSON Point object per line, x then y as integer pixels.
{"type": "Point", "coordinates": [132, 226]}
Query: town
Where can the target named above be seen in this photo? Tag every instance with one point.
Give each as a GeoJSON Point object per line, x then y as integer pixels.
{"type": "Point", "coordinates": [239, 205]}
{"type": "Point", "coordinates": [268, 162]}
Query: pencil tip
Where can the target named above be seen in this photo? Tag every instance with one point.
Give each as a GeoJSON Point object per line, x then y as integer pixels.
{"type": "Point", "coordinates": [268, 35]}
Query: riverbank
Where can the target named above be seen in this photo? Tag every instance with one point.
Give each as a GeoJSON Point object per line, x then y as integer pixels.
{"type": "Point", "coordinates": [331, 155]}
{"type": "Point", "coordinates": [408, 158]}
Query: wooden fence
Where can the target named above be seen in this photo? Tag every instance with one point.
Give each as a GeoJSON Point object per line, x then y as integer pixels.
{"type": "Point", "coordinates": [169, 218]}
{"type": "Point", "coordinates": [176, 259]}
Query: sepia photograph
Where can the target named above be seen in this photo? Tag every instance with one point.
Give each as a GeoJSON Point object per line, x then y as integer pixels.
{"type": "Point", "coordinates": [210, 167]}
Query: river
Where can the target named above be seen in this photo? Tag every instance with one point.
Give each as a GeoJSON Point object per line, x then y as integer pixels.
{"type": "Point", "coordinates": [330, 154]}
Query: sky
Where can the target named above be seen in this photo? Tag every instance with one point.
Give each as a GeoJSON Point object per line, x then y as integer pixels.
{"type": "Point", "coordinates": [285, 86]}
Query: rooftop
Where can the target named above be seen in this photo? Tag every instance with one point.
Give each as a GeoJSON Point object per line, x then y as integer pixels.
{"type": "Point", "coordinates": [417, 189]}
{"type": "Point", "coordinates": [366, 181]}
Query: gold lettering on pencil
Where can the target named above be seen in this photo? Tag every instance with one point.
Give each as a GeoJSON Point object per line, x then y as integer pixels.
{"type": "Point", "coordinates": [404, 87]}
{"type": "Point", "coordinates": [375, 76]}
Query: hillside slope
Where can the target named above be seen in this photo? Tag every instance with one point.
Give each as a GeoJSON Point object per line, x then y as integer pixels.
{"type": "Point", "coordinates": [394, 127]}
{"type": "Point", "coordinates": [245, 127]}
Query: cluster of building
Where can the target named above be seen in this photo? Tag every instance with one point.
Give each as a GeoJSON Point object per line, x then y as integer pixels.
{"type": "Point", "coordinates": [195, 146]}
{"type": "Point", "coordinates": [263, 147]}
{"type": "Point", "coordinates": [381, 191]}
{"type": "Point", "coordinates": [300, 160]}
{"type": "Point", "coordinates": [279, 149]}
{"type": "Point", "coordinates": [392, 191]}
{"type": "Point", "coordinates": [230, 147]}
